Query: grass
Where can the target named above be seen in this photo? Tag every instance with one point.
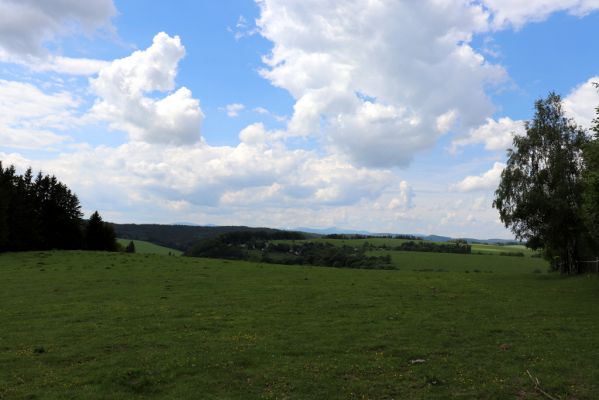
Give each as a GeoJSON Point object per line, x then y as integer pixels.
{"type": "Point", "coordinates": [98, 325]}
{"type": "Point", "coordinates": [144, 247]}
{"type": "Point", "coordinates": [481, 248]}
{"type": "Point", "coordinates": [495, 249]}
{"type": "Point", "coordinates": [412, 260]}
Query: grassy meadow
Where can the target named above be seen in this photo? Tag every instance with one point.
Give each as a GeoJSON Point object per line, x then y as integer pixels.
{"type": "Point", "coordinates": [143, 247]}
{"type": "Point", "coordinates": [84, 325]}
{"type": "Point", "coordinates": [477, 248]}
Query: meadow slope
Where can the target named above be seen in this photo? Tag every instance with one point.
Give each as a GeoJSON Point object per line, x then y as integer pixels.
{"type": "Point", "coordinates": [144, 247]}
{"type": "Point", "coordinates": [99, 325]}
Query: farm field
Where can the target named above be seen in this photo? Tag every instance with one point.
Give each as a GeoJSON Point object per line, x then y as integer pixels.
{"type": "Point", "coordinates": [494, 249]}
{"type": "Point", "coordinates": [84, 325]}
{"type": "Point", "coordinates": [143, 247]}
{"type": "Point", "coordinates": [446, 262]}
{"type": "Point", "coordinates": [392, 242]}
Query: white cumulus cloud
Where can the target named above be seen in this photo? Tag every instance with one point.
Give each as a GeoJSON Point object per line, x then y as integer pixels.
{"type": "Point", "coordinates": [380, 80]}
{"type": "Point", "coordinates": [517, 13]}
{"type": "Point", "coordinates": [29, 116]}
{"type": "Point", "coordinates": [234, 109]}
{"type": "Point", "coordinates": [496, 135]}
{"type": "Point", "coordinates": [122, 87]}
{"type": "Point", "coordinates": [581, 102]}
{"type": "Point", "coordinates": [27, 26]}
{"type": "Point", "coordinates": [488, 180]}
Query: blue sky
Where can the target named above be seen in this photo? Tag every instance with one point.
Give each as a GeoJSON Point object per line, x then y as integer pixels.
{"type": "Point", "coordinates": [388, 116]}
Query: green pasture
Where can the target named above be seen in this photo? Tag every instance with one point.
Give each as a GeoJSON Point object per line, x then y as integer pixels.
{"type": "Point", "coordinates": [449, 262]}
{"type": "Point", "coordinates": [496, 249]}
{"type": "Point", "coordinates": [84, 325]}
{"type": "Point", "coordinates": [350, 242]}
{"type": "Point", "coordinates": [144, 247]}
{"type": "Point", "coordinates": [492, 249]}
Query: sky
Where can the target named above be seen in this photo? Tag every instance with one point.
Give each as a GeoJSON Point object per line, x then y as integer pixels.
{"type": "Point", "coordinates": [378, 115]}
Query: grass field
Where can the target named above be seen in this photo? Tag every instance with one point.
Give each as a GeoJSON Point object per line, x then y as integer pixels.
{"type": "Point", "coordinates": [119, 326]}
{"type": "Point", "coordinates": [445, 262]}
{"type": "Point", "coordinates": [495, 249]}
{"type": "Point", "coordinates": [143, 247]}
{"type": "Point", "coordinates": [389, 242]}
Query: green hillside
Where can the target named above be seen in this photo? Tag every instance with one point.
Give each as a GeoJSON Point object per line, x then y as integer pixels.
{"type": "Point", "coordinates": [180, 237]}
{"type": "Point", "coordinates": [83, 325]}
{"type": "Point", "coordinates": [144, 247]}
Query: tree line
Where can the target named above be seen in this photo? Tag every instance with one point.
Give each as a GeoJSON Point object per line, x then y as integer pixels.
{"type": "Point", "coordinates": [548, 194]}
{"type": "Point", "coordinates": [262, 246]}
{"type": "Point", "coordinates": [456, 247]}
{"type": "Point", "coordinates": [357, 236]}
{"type": "Point", "coordinates": [41, 213]}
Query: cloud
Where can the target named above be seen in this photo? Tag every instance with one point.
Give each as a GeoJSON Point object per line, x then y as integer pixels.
{"type": "Point", "coordinates": [517, 13]}
{"type": "Point", "coordinates": [380, 80]}
{"type": "Point", "coordinates": [122, 87]}
{"type": "Point", "coordinates": [233, 109]}
{"type": "Point", "coordinates": [403, 198]}
{"type": "Point", "coordinates": [26, 27]}
{"type": "Point", "coordinates": [243, 28]}
{"type": "Point", "coordinates": [28, 116]}
{"type": "Point", "coordinates": [53, 63]}
{"type": "Point", "coordinates": [496, 135]}
{"type": "Point", "coordinates": [582, 101]}
{"type": "Point", "coordinates": [265, 111]}
{"type": "Point", "coordinates": [219, 177]}
{"type": "Point", "coordinates": [255, 134]}
{"type": "Point", "coordinates": [488, 180]}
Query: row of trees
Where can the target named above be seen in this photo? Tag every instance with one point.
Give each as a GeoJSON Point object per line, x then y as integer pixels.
{"type": "Point", "coordinates": [41, 213]}
{"type": "Point", "coordinates": [265, 246]}
{"type": "Point", "coordinates": [352, 236]}
{"type": "Point", "coordinates": [549, 191]}
{"type": "Point", "coordinates": [457, 246]}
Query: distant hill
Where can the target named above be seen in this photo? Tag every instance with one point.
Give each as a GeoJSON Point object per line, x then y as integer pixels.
{"type": "Point", "coordinates": [180, 237]}
{"type": "Point", "coordinates": [332, 230]}
{"type": "Point", "coordinates": [432, 238]}
{"type": "Point", "coordinates": [437, 238]}
{"type": "Point", "coordinates": [143, 247]}
{"type": "Point", "coordinates": [183, 237]}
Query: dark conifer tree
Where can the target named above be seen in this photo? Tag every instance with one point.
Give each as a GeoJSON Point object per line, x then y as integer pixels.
{"type": "Point", "coordinates": [99, 235]}
{"type": "Point", "coordinates": [5, 193]}
{"type": "Point", "coordinates": [130, 247]}
{"type": "Point", "coordinates": [37, 214]}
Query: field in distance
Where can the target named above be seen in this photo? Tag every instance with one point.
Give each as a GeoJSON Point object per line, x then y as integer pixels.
{"type": "Point", "coordinates": [477, 248]}
{"type": "Point", "coordinates": [86, 325]}
{"type": "Point", "coordinates": [143, 247]}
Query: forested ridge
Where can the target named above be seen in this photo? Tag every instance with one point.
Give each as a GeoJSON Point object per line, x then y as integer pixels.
{"type": "Point", "coordinates": [41, 213]}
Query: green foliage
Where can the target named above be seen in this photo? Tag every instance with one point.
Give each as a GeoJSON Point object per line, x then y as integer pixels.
{"type": "Point", "coordinates": [271, 247]}
{"type": "Point", "coordinates": [323, 254]}
{"type": "Point", "coordinates": [87, 325]}
{"type": "Point", "coordinates": [458, 246]}
{"type": "Point", "coordinates": [217, 248]}
{"type": "Point", "coordinates": [130, 247]}
{"type": "Point", "coordinates": [37, 213]}
{"type": "Point", "coordinates": [99, 235]}
{"type": "Point", "coordinates": [540, 193]}
{"type": "Point", "coordinates": [352, 236]}
{"type": "Point", "coordinates": [590, 206]}
{"type": "Point", "coordinates": [180, 237]}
